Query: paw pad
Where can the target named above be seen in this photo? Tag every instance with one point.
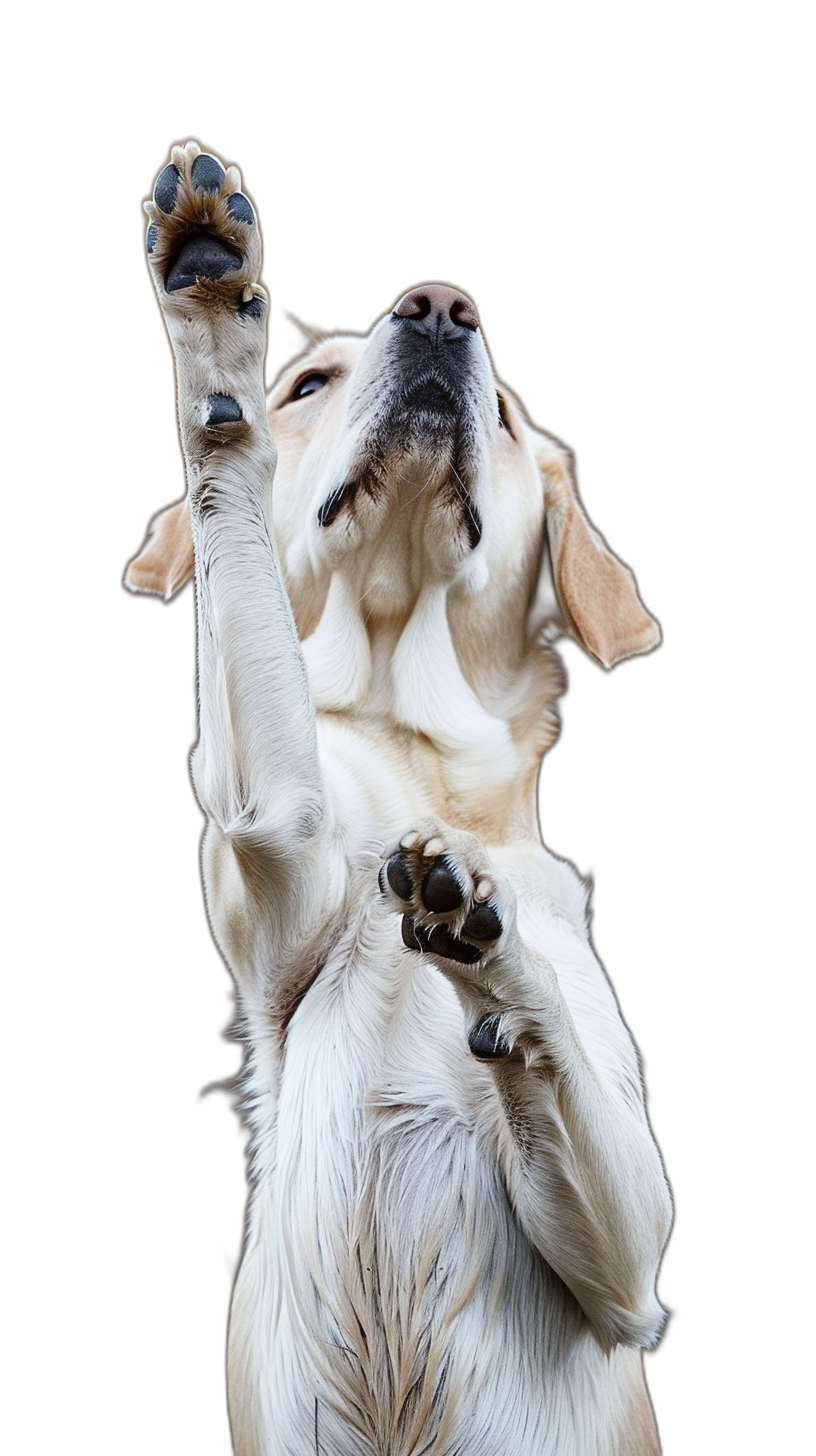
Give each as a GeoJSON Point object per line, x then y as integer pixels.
{"type": "Point", "coordinates": [438, 940]}
{"type": "Point", "coordinates": [240, 208]}
{"type": "Point", "coordinates": [166, 190]}
{"type": "Point", "coordinates": [203, 257]}
{"type": "Point", "coordinates": [207, 174]}
{"type": "Point", "coordinates": [399, 877]}
{"type": "Point", "coordinates": [441, 890]}
{"type": "Point", "coordinates": [486, 1041]}
{"type": "Point", "coordinates": [483, 923]}
{"type": "Point", "coordinates": [222, 409]}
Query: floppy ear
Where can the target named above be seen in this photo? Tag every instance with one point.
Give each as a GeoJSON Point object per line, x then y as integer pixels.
{"type": "Point", "coordinates": [165, 560]}
{"type": "Point", "coordinates": [597, 593]}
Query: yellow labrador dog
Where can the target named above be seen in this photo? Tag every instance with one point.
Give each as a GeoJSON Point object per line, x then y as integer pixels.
{"type": "Point", "coordinates": [457, 1208]}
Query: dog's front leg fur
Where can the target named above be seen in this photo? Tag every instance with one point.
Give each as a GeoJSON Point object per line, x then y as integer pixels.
{"type": "Point", "coordinates": [580, 1165]}
{"type": "Point", "coordinates": [255, 766]}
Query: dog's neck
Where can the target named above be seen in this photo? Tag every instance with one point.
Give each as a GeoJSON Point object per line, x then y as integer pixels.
{"type": "Point", "coordinates": [471, 748]}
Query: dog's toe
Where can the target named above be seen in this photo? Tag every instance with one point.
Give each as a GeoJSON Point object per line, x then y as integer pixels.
{"type": "Point", "coordinates": [207, 174]}
{"type": "Point", "coordinates": [441, 889]}
{"type": "Point", "coordinates": [166, 189]}
{"type": "Point", "coordinates": [399, 877]}
{"type": "Point", "coordinates": [483, 923]}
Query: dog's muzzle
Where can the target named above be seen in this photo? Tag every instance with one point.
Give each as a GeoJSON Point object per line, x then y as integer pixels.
{"type": "Point", "coordinates": [424, 408]}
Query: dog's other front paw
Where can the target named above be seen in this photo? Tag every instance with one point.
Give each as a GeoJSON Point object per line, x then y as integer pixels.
{"type": "Point", "coordinates": [455, 910]}
{"type": "Point", "coordinates": [441, 880]}
{"type": "Point", "coordinates": [203, 242]}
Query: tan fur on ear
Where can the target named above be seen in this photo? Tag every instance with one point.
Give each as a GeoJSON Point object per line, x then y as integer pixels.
{"type": "Point", "coordinates": [597, 592]}
{"type": "Point", "coordinates": [165, 560]}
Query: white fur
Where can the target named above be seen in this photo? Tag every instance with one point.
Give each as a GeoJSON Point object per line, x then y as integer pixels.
{"type": "Point", "coordinates": [442, 1255]}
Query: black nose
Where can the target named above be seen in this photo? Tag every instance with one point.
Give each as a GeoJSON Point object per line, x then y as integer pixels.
{"type": "Point", "coordinates": [439, 305]}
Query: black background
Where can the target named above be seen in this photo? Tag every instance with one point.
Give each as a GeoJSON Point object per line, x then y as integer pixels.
{"type": "Point", "coordinates": [582, 262]}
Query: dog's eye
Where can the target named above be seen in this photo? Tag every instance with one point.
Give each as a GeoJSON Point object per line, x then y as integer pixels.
{"type": "Point", "coordinates": [309, 385]}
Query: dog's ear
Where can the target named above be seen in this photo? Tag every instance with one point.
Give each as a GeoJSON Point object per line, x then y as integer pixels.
{"type": "Point", "coordinates": [597, 593]}
{"type": "Point", "coordinates": [164, 562]}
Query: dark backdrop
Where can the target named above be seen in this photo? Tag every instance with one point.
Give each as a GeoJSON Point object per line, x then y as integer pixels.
{"type": "Point", "coordinates": [576, 270]}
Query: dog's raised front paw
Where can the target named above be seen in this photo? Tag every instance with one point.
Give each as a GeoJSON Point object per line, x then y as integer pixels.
{"type": "Point", "coordinates": [203, 235]}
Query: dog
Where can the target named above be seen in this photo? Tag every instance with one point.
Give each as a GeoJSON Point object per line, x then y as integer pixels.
{"type": "Point", "coordinates": [457, 1209]}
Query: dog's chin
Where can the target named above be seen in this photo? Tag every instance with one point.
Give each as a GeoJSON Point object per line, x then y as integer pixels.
{"type": "Point", "coordinates": [417, 466]}
{"type": "Point", "coordinates": [424, 451]}
{"type": "Point", "coordinates": [403, 496]}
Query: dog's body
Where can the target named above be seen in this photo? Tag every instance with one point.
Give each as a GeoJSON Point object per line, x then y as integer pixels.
{"type": "Point", "coordinates": [457, 1208]}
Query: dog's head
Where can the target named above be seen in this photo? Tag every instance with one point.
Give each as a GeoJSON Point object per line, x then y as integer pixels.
{"type": "Point", "coordinates": [420, 519]}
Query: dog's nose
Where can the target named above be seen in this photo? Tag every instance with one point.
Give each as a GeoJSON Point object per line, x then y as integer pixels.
{"type": "Point", "coordinates": [437, 303]}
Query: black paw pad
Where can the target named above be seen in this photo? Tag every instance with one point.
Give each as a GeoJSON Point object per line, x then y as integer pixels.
{"type": "Point", "coordinates": [483, 923]}
{"type": "Point", "coordinates": [223, 410]}
{"type": "Point", "coordinates": [207, 174]}
{"type": "Point", "coordinates": [166, 188]}
{"type": "Point", "coordinates": [203, 257]}
{"type": "Point", "coordinates": [441, 890]}
{"type": "Point", "coordinates": [240, 207]}
{"type": "Point", "coordinates": [486, 1041]}
{"type": "Point", "coordinates": [152, 237]}
{"type": "Point", "coordinates": [252, 308]}
{"type": "Point", "coordinates": [399, 878]}
{"type": "Point", "coordinates": [437, 940]}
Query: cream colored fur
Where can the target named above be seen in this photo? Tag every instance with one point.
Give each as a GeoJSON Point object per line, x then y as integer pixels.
{"type": "Point", "coordinates": [443, 1254]}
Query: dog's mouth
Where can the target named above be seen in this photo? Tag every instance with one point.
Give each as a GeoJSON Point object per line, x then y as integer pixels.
{"type": "Point", "coordinates": [427, 396]}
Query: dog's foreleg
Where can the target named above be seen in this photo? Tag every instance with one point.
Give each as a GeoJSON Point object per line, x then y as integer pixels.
{"type": "Point", "coordinates": [580, 1164]}
{"type": "Point", "coordinates": [255, 768]}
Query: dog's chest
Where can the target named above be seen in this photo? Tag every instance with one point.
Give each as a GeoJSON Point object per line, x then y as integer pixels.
{"type": "Point", "coordinates": [373, 1104]}
{"type": "Point", "coordinates": [400, 1225]}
